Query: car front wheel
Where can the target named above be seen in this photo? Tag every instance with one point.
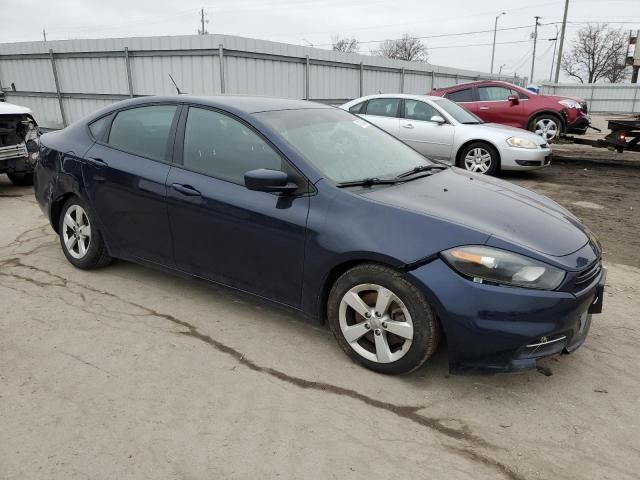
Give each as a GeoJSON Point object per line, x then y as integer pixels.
{"type": "Point", "coordinates": [479, 157]}
{"type": "Point", "coordinates": [381, 320]}
{"type": "Point", "coordinates": [547, 126]}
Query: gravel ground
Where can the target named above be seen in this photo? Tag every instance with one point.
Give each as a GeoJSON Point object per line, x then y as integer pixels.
{"type": "Point", "coordinates": [130, 373]}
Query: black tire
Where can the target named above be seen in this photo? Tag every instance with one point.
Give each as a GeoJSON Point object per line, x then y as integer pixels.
{"type": "Point", "coordinates": [21, 179]}
{"type": "Point", "coordinates": [426, 329]}
{"type": "Point", "coordinates": [96, 255]}
{"type": "Point", "coordinates": [494, 165]}
{"type": "Point", "coordinates": [547, 118]}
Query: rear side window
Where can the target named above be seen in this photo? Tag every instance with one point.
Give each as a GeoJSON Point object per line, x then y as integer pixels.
{"type": "Point", "coordinates": [222, 147]}
{"type": "Point", "coordinates": [383, 107]}
{"type": "Point", "coordinates": [465, 95]}
{"type": "Point", "coordinates": [493, 94]}
{"type": "Point", "coordinates": [417, 110]}
{"type": "Point", "coordinates": [99, 127]}
{"type": "Point", "coordinates": [143, 131]}
{"type": "Point", "coordinates": [357, 108]}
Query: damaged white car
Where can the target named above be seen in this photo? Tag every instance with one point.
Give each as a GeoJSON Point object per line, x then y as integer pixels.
{"type": "Point", "coordinates": [19, 143]}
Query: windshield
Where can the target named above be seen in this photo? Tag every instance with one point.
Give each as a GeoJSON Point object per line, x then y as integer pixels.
{"type": "Point", "coordinates": [458, 113]}
{"type": "Point", "coordinates": [342, 146]}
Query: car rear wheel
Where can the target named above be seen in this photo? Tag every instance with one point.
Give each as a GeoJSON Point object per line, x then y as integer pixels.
{"type": "Point", "coordinates": [547, 126]}
{"type": "Point", "coordinates": [479, 157]}
{"type": "Point", "coordinates": [21, 179]}
{"type": "Point", "coordinates": [381, 320]}
{"type": "Point", "coordinates": [80, 238]}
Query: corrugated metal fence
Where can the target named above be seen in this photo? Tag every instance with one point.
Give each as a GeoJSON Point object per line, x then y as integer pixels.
{"type": "Point", "coordinates": [600, 97]}
{"type": "Point", "coordinates": [65, 80]}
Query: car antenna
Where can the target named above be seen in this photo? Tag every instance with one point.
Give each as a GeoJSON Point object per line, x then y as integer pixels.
{"type": "Point", "coordinates": [176, 85]}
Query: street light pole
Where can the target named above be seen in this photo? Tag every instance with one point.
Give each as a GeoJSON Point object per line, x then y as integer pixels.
{"type": "Point", "coordinates": [535, 41]}
{"type": "Point", "coordinates": [553, 57]}
{"type": "Point", "coordinates": [495, 29]}
{"type": "Point", "coordinates": [564, 26]}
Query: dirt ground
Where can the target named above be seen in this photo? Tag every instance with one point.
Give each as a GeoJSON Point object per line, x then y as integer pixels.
{"type": "Point", "coordinates": [130, 373]}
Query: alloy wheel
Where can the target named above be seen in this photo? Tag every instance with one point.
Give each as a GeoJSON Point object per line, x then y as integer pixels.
{"type": "Point", "coordinates": [478, 160]}
{"type": "Point", "coordinates": [376, 323]}
{"type": "Point", "coordinates": [546, 128]}
{"type": "Point", "coordinates": [76, 232]}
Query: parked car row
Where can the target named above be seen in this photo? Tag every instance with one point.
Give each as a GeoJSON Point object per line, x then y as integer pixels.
{"type": "Point", "coordinates": [316, 209]}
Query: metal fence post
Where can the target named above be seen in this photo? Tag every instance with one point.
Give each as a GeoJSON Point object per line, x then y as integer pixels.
{"type": "Point", "coordinates": [593, 91]}
{"type": "Point", "coordinates": [57, 83]}
{"type": "Point", "coordinates": [221, 58]}
{"type": "Point", "coordinates": [433, 79]}
{"type": "Point", "coordinates": [361, 79]}
{"type": "Point", "coordinates": [128, 66]}
{"type": "Point", "coordinates": [307, 73]}
{"type": "Point", "coordinates": [402, 80]}
{"type": "Point", "coordinates": [635, 97]}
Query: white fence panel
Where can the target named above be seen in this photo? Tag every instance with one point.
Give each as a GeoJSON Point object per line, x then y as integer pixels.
{"type": "Point", "coordinates": [601, 98]}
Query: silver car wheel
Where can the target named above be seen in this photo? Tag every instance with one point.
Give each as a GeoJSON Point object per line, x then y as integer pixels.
{"type": "Point", "coordinates": [76, 231]}
{"type": "Point", "coordinates": [375, 323]}
{"type": "Point", "coordinates": [547, 128]}
{"type": "Point", "coordinates": [478, 160]}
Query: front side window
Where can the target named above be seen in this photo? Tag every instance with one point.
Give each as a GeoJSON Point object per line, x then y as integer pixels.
{"type": "Point", "coordinates": [417, 110]}
{"type": "Point", "coordinates": [143, 131]}
{"type": "Point", "coordinates": [341, 147]}
{"type": "Point", "coordinates": [493, 94]}
{"type": "Point", "coordinates": [464, 95]}
{"type": "Point", "coordinates": [383, 107]}
{"type": "Point", "coordinates": [222, 147]}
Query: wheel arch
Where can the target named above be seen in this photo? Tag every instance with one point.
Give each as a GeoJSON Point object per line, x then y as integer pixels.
{"type": "Point", "coordinates": [477, 140]}
{"type": "Point", "coordinates": [56, 209]}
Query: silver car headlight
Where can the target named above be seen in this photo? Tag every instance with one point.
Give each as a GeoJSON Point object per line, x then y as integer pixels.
{"type": "Point", "coordinates": [521, 143]}
{"type": "Point", "coordinates": [492, 265]}
{"type": "Point", "coordinates": [567, 102]}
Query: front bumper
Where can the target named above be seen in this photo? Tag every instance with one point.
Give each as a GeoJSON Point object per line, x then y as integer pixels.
{"type": "Point", "coordinates": [503, 329]}
{"type": "Point", "coordinates": [579, 125]}
{"type": "Point", "coordinates": [524, 159]}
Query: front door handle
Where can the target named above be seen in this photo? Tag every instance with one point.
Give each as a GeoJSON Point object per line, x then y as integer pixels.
{"type": "Point", "coordinates": [484, 108]}
{"type": "Point", "coordinates": [407, 125]}
{"type": "Point", "coordinates": [187, 190]}
{"type": "Point", "coordinates": [96, 162]}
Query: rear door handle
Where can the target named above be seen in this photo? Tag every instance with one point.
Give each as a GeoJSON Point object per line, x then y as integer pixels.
{"type": "Point", "coordinates": [484, 108]}
{"type": "Point", "coordinates": [407, 125]}
{"type": "Point", "coordinates": [96, 162]}
{"type": "Point", "coordinates": [187, 190]}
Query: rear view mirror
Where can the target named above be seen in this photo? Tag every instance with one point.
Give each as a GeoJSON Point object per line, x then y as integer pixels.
{"type": "Point", "coordinates": [438, 119]}
{"type": "Point", "coordinates": [513, 99]}
{"type": "Point", "coordinates": [264, 180]}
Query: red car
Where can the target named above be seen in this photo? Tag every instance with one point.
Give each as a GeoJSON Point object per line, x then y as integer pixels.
{"type": "Point", "coordinates": [502, 102]}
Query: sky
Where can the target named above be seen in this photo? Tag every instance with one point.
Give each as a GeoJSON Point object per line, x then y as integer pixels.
{"type": "Point", "coordinates": [445, 24]}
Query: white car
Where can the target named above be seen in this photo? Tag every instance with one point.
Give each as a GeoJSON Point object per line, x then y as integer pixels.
{"type": "Point", "coordinates": [443, 130]}
{"type": "Point", "coordinates": [19, 143]}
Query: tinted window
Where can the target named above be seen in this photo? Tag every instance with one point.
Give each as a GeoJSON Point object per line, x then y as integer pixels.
{"type": "Point", "coordinates": [416, 110]}
{"type": "Point", "coordinates": [357, 107]}
{"type": "Point", "coordinates": [465, 95]}
{"type": "Point", "coordinates": [217, 145]}
{"type": "Point", "coordinates": [493, 94]}
{"type": "Point", "coordinates": [99, 126]}
{"type": "Point", "coordinates": [383, 107]}
{"type": "Point", "coordinates": [143, 131]}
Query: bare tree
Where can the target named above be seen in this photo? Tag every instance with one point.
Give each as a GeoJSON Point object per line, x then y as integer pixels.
{"type": "Point", "coordinates": [407, 48]}
{"type": "Point", "coordinates": [599, 53]}
{"type": "Point", "coordinates": [348, 45]}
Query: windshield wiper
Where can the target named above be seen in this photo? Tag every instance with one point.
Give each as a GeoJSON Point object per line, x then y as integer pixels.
{"type": "Point", "coordinates": [366, 182]}
{"type": "Point", "coordinates": [421, 168]}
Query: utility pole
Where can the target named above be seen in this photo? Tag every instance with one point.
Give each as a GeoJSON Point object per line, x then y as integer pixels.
{"type": "Point", "coordinates": [44, 34]}
{"type": "Point", "coordinates": [555, 44]}
{"type": "Point", "coordinates": [202, 30]}
{"type": "Point", "coordinates": [535, 41]}
{"type": "Point", "coordinates": [564, 26]}
{"type": "Point", "coordinates": [501, 67]}
{"type": "Point", "coordinates": [495, 29]}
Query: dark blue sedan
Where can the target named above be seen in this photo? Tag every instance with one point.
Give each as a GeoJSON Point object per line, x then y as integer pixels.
{"type": "Point", "coordinates": [316, 209]}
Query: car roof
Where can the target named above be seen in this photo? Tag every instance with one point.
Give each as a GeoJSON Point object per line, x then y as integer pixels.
{"type": "Point", "coordinates": [475, 84]}
{"type": "Point", "coordinates": [410, 96]}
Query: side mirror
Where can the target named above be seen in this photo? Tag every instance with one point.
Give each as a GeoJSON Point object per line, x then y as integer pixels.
{"type": "Point", "coordinates": [264, 180]}
{"type": "Point", "coordinates": [513, 99]}
{"type": "Point", "coordinates": [438, 119]}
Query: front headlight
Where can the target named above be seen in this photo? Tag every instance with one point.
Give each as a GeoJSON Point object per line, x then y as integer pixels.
{"type": "Point", "coordinates": [492, 265]}
{"type": "Point", "coordinates": [569, 103]}
{"type": "Point", "coordinates": [521, 143]}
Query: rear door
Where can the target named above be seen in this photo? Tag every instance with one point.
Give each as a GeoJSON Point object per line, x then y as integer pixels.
{"type": "Point", "coordinates": [224, 232]}
{"type": "Point", "coordinates": [493, 106]}
{"type": "Point", "coordinates": [125, 173]}
{"type": "Point", "coordinates": [384, 113]}
{"type": "Point", "coordinates": [432, 139]}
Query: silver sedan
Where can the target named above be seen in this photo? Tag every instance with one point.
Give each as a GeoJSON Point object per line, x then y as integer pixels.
{"type": "Point", "coordinates": [443, 130]}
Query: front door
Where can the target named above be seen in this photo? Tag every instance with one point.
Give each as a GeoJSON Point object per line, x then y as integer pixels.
{"type": "Point", "coordinates": [493, 106]}
{"type": "Point", "coordinates": [224, 232]}
{"type": "Point", "coordinates": [125, 174]}
{"type": "Point", "coordinates": [432, 139]}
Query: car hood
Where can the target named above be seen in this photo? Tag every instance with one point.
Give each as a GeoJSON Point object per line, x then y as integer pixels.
{"type": "Point", "coordinates": [11, 109]}
{"type": "Point", "coordinates": [495, 207]}
{"type": "Point", "coordinates": [507, 131]}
